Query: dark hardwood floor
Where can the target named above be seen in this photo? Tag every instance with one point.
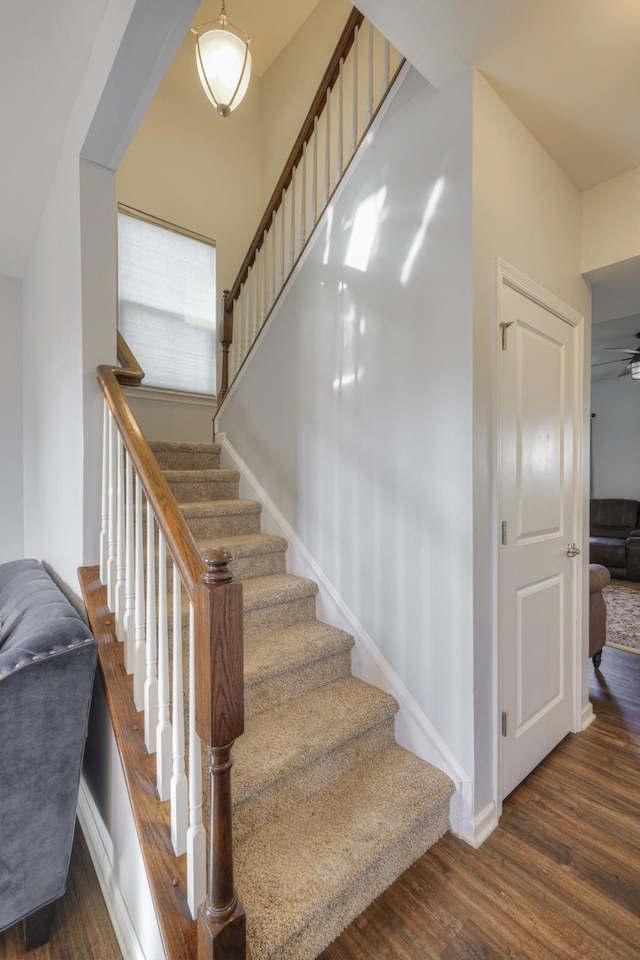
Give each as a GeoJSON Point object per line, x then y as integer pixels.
{"type": "Point", "coordinates": [558, 880]}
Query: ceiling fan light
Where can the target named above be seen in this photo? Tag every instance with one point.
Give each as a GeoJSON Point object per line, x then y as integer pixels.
{"type": "Point", "coordinates": [223, 60]}
{"type": "Point", "coordinates": [634, 369]}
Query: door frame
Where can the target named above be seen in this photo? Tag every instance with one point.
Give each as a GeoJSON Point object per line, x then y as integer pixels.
{"type": "Point", "coordinates": [508, 276]}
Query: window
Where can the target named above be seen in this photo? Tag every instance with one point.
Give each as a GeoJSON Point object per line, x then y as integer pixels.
{"type": "Point", "coordinates": [167, 302]}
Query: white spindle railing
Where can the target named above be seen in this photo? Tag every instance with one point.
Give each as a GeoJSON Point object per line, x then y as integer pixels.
{"type": "Point", "coordinates": [120, 541]}
{"type": "Point", "coordinates": [112, 517]}
{"type": "Point", "coordinates": [179, 787]}
{"type": "Point", "coordinates": [130, 568]}
{"type": "Point", "coordinates": [163, 730]}
{"type": "Point", "coordinates": [104, 523]}
{"type": "Point", "coordinates": [164, 696]}
{"type": "Point", "coordinates": [362, 80]}
{"type": "Point", "coordinates": [140, 644]}
{"type": "Point", "coordinates": [196, 837]}
{"type": "Point", "coordinates": [151, 640]}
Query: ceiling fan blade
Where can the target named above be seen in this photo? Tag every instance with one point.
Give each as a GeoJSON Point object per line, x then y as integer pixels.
{"type": "Point", "coordinates": [603, 363]}
{"type": "Point", "coordinates": [627, 370]}
{"type": "Point", "coordinates": [621, 350]}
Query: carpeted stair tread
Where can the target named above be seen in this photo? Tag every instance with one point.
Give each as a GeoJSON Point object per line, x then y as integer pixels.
{"type": "Point", "coordinates": [264, 592]}
{"type": "Point", "coordinates": [296, 734]}
{"type": "Point", "coordinates": [212, 484]}
{"type": "Point", "coordinates": [186, 456]}
{"type": "Point", "coordinates": [212, 518]}
{"type": "Point", "coordinates": [219, 508]}
{"type": "Point", "coordinates": [304, 877]}
{"type": "Point", "coordinates": [202, 476]}
{"type": "Point", "coordinates": [282, 664]}
{"type": "Point", "coordinates": [281, 651]}
{"type": "Point", "coordinates": [255, 555]}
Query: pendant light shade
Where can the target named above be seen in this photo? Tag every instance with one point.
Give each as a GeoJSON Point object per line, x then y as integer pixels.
{"type": "Point", "coordinates": [635, 369]}
{"type": "Point", "coordinates": [224, 62]}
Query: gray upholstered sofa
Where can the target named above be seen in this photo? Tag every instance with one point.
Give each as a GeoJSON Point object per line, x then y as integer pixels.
{"type": "Point", "coordinates": [47, 665]}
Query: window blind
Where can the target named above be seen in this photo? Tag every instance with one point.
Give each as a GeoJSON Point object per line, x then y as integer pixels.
{"type": "Point", "coordinates": [167, 304]}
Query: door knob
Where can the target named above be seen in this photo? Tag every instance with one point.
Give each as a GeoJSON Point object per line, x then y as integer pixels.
{"type": "Point", "coordinates": [573, 550]}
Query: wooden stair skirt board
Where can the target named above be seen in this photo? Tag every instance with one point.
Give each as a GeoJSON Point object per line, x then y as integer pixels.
{"type": "Point", "coordinates": [328, 809]}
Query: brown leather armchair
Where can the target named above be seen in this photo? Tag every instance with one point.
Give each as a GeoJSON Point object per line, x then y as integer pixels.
{"type": "Point", "coordinates": [614, 539]}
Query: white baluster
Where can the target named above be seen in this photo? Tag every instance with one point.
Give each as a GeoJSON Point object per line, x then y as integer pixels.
{"type": "Point", "coordinates": [129, 575]}
{"type": "Point", "coordinates": [327, 150]}
{"type": "Point", "coordinates": [163, 732]}
{"type": "Point", "coordinates": [303, 198]}
{"type": "Point", "coordinates": [385, 67]}
{"type": "Point", "coordinates": [196, 838]}
{"type": "Point", "coordinates": [370, 77]}
{"type": "Point", "coordinates": [104, 522]}
{"type": "Point", "coordinates": [121, 557]}
{"type": "Point", "coordinates": [314, 175]}
{"type": "Point", "coordinates": [272, 295]}
{"type": "Point", "coordinates": [151, 680]}
{"type": "Point", "coordinates": [263, 301]}
{"type": "Point", "coordinates": [282, 241]}
{"type": "Point", "coordinates": [339, 151]}
{"type": "Point", "coordinates": [113, 514]}
{"type": "Point", "coordinates": [354, 105]}
{"type": "Point", "coordinates": [256, 297]}
{"type": "Point", "coordinates": [247, 314]}
{"type": "Point", "coordinates": [292, 240]}
{"type": "Point", "coordinates": [139, 649]}
{"type": "Point", "coordinates": [179, 787]}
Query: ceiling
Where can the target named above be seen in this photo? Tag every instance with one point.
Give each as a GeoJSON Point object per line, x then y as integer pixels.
{"type": "Point", "coordinates": [570, 69]}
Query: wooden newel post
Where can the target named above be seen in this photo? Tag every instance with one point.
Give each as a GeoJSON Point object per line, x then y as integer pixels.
{"type": "Point", "coordinates": [219, 721]}
{"type": "Point", "coordinates": [226, 339]}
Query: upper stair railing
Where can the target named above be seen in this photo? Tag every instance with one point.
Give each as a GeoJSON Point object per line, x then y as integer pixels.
{"type": "Point", "coordinates": [357, 80]}
{"type": "Point", "coordinates": [214, 689]}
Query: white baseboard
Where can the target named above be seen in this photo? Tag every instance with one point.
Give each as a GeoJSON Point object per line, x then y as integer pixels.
{"type": "Point", "coordinates": [414, 730]}
{"type": "Point", "coordinates": [475, 831]}
{"type": "Point", "coordinates": [588, 716]}
{"type": "Point", "coordinates": [101, 851]}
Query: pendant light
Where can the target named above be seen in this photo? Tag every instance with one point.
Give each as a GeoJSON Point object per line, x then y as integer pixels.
{"type": "Point", "coordinates": [224, 62]}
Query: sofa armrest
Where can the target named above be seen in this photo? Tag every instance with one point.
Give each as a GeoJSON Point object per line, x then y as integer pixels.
{"type": "Point", "coordinates": [632, 559]}
{"type": "Point", "coordinates": [634, 533]}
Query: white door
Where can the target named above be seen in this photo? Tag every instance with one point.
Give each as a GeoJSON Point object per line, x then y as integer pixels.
{"type": "Point", "coordinates": [539, 578]}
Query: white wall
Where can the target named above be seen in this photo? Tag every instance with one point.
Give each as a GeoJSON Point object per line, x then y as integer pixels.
{"type": "Point", "coordinates": [167, 418]}
{"type": "Point", "coordinates": [526, 211]}
{"type": "Point", "coordinates": [616, 438]}
{"type": "Point", "coordinates": [11, 499]}
{"type": "Point", "coordinates": [355, 412]}
{"type": "Point", "coordinates": [69, 311]}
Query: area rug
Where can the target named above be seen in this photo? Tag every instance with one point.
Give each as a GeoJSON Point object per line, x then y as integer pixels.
{"type": "Point", "coordinates": [623, 614]}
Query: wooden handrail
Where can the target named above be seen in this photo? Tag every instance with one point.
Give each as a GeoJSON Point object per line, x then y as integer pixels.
{"type": "Point", "coordinates": [219, 678]}
{"type": "Point", "coordinates": [327, 83]}
{"type": "Point", "coordinates": [170, 519]}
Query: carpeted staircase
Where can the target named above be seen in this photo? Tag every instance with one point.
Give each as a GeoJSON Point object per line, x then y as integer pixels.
{"type": "Point", "coordinates": [328, 809]}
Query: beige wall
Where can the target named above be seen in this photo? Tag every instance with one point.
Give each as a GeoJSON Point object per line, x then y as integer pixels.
{"type": "Point", "coordinates": [290, 84]}
{"type": "Point", "coordinates": [611, 221]}
{"type": "Point", "coordinates": [192, 168]}
{"type": "Point", "coordinates": [213, 176]}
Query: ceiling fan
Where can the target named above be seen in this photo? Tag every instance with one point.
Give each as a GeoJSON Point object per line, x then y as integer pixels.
{"type": "Point", "coordinates": [632, 367]}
